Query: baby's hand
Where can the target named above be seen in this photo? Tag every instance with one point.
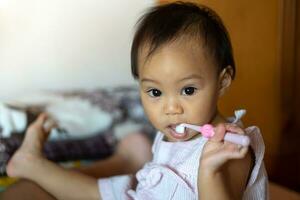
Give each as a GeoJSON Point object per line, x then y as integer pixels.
{"type": "Point", "coordinates": [31, 148]}
{"type": "Point", "coordinates": [216, 152]}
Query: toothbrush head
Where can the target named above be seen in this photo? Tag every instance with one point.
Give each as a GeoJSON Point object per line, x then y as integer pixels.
{"type": "Point", "coordinates": [180, 128]}
{"type": "Point", "coordinates": [240, 113]}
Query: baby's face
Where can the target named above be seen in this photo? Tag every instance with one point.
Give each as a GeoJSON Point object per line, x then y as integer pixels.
{"type": "Point", "coordinates": [178, 84]}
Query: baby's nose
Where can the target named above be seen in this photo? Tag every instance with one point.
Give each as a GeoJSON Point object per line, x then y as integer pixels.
{"type": "Point", "coordinates": [173, 107]}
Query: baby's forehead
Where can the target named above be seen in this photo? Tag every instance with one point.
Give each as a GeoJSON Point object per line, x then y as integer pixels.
{"type": "Point", "coordinates": [177, 59]}
{"type": "Point", "coordinates": [190, 46]}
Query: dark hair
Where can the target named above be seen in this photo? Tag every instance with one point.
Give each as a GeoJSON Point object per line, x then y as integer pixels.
{"type": "Point", "coordinates": [168, 22]}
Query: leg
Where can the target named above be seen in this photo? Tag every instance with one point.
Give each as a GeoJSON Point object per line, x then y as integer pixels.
{"type": "Point", "coordinates": [131, 154]}
{"type": "Point", "coordinates": [126, 153]}
{"type": "Point", "coordinates": [25, 190]}
{"type": "Point", "coordinates": [136, 150]}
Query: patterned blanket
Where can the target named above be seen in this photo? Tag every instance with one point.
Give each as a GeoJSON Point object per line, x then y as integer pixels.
{"type": "Point", "coordinates": [122, 103]}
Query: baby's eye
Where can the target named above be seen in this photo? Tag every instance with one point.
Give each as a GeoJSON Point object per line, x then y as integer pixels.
{"type": "Point", "coordinates": [188, 91]}
{"type": "Point", "coordinates": [154, 93]}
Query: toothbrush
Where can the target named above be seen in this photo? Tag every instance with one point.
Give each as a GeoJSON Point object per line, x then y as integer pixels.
{"type": "Point", "coordinates": [207, 131]}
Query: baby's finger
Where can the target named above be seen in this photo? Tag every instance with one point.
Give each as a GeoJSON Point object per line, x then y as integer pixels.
{"type": "Point", "coordinates": [236, 152]}
{"type": "Point", "coordinates": [233, 128]}
{"type": "Point", "coordinates": [229, 152]}
{"type": "Point", "coordinates": [219, 133]}
{"type": "Point", "coordinates": [236, 134]}
{"type": "Point", "coordinates": [223, 155]}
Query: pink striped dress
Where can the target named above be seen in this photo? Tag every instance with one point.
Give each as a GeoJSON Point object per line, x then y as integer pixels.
{"type": "Point", "coordinates": [173, 172]}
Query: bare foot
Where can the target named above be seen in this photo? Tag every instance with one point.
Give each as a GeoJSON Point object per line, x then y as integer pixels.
{"type": "Point", "coordinates": [30, 150]}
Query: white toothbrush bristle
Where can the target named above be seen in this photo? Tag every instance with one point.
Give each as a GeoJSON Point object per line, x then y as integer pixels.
{"type": "Point", "coordinates": [240, 113]}
{"type": "Point", "coordinates": [180, 129]}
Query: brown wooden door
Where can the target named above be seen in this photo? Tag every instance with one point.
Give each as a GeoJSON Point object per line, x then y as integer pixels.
{"type": "Point", "coordinates": [264, 40]}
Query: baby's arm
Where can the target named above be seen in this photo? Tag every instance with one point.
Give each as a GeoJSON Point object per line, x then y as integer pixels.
{"type": "Point", "coordinates": [29, 163]}
{"type": "Point", "coordinates": [224, 167]}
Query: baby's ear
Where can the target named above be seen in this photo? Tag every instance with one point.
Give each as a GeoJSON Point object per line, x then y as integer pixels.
{"type": "Point", "coordinates": [225, 79]}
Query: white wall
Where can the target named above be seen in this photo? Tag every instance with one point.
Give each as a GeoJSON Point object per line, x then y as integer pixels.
{"type": "Point", "coordinates": [65, 44]}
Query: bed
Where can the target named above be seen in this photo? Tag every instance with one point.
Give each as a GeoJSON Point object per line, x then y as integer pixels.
{"type": "Point", "coordinates": [122, 104]}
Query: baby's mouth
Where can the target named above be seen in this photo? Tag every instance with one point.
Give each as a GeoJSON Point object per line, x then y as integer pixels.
{"type": "Point", "coordinates": [173, 127]}
{"type": "Point", "coordinates": [172, 131]}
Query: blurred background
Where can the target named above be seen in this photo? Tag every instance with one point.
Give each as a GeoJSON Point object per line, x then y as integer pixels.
{"type": "Point", "coordinates": [65, 44]}
{"type": "Point", "coordinates": [85, 44]}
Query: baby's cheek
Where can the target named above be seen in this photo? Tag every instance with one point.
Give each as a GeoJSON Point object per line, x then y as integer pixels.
{"type": "Point", "coordinates": [196, 117]}
{"type": "Point", "coordinates": [204, 114]}
{"type": "Point", "coordinates": [154, 117]}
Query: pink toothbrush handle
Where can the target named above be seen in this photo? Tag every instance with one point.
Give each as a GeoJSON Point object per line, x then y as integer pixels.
{"type": "Point", "coordinates": [237, 139]}
{"type": "Point", "coordinates": [208, 131]}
